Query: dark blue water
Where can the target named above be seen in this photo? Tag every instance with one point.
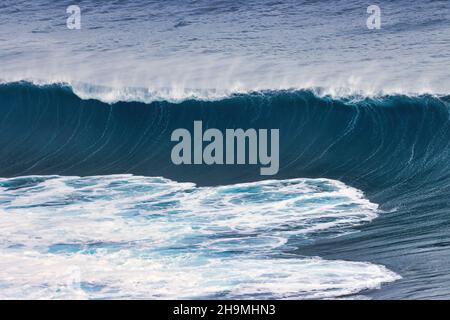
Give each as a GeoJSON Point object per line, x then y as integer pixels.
{"type": "Point", "coordinates": [91, 205]}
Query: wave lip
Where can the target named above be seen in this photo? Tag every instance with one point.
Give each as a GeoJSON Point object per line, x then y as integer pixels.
{"type": "Point", "coordinates": [124, 236]}
{"type": "Point", "coordinates": [179, 94]}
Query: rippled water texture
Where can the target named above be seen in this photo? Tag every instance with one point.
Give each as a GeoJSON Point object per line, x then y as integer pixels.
{"type": "Point", "coordinates": [229, 46]}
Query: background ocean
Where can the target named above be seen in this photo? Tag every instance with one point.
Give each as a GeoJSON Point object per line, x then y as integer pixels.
{"type": "Point", "coordinates": [91, 205]}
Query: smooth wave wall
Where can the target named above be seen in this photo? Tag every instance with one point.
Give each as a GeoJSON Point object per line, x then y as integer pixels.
{"type": "Point", "coordinates": [376, 143]}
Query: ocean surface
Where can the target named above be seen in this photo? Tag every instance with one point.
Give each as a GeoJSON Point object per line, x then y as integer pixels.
{"type": "Point", "coordinates": [92, 207]}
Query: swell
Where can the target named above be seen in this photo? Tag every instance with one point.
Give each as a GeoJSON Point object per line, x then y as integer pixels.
{"type": "Point", "coordinates": [378, 144]}
{"type": "Point", "coordinates": [394, 148]}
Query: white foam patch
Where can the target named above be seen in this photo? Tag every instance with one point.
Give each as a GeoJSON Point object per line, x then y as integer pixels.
{"type": "Point", "coordinates": [175, 93]}
{"type": "Point", "coordinates": [124, 236]}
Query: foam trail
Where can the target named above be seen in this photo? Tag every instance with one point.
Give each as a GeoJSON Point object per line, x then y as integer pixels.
{"type": "Point", "coordinates": [123, 236]}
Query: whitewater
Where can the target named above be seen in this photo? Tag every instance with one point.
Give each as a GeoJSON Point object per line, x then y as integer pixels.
{"type": "Point", "coordinates": [92, 207]}
{"type": "Point", "coordinates": [137, 237]}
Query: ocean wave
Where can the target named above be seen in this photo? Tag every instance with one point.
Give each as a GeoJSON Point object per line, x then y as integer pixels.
{"type": "Point", "coordinates": [49, 130]}
{"type": "Point", "coordinates": [394, 148]}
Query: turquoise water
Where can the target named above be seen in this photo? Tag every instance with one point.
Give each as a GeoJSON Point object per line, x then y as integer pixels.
{"type": "Point", "coordinates": [123, 236]}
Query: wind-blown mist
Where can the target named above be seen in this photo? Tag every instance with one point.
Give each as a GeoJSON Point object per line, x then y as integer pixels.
{"type": "Point", "coordinates": [230, 46]}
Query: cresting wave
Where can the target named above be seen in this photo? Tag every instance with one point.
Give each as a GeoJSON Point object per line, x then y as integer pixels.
{"type": "Point", "coordinates": [181, 93]}
{"type": "Point", "coordinates": [50, 130]}
{"type": "Point", "coordinates": [396, 149]}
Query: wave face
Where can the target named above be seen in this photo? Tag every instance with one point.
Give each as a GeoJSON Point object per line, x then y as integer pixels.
{"type": "Point", "coordinates": [395, 149]}
{"type": "Point", "coordinates": [379, 143]}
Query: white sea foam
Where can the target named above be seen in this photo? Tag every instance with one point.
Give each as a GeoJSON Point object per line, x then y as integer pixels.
{"type": "Point", "coordinates": [177, 93]}
{"type": "Point", "coordinates": [124, 236]}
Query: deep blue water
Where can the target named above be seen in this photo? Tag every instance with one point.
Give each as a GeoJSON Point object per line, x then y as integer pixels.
{"type": "Point", "coordinates": [91, 205]}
